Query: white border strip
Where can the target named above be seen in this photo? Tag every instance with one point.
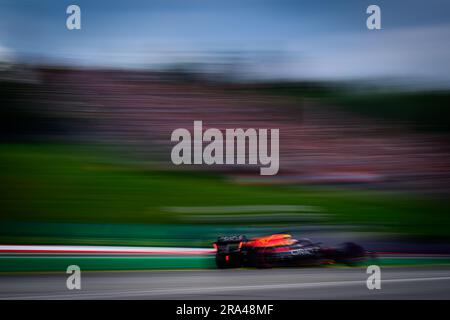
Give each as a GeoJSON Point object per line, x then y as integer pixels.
{"type": "Point", "coordinates": [102, 249]}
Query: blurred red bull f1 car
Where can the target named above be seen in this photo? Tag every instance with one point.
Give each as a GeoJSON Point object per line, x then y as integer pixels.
{"type": "Point", "coordinates": [282, 250]}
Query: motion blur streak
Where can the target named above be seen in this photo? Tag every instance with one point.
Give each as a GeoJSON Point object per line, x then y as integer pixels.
{"type": "Point", "coordinates": [102, 249]}
{"type": "Point", "coordinates": [398, 283]}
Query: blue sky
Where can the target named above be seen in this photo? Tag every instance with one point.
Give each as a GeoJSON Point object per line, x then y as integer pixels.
{"type": "Point", "coordinates": [312, 39]}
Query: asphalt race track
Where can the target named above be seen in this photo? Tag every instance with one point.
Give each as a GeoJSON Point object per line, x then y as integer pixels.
{"type": "Point", "coordinates": [307, 283]}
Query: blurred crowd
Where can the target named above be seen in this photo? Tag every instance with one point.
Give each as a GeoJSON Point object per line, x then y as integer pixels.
{"type": "Point", "coordinates": [136, 111]}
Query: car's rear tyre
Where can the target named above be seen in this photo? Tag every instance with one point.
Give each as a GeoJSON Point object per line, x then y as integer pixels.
{"type": "Point", "coordinates": [221, 263]}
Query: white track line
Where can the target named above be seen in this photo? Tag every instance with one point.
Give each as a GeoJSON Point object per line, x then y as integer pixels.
{"type": "Point", "coordinates": [102, 249]}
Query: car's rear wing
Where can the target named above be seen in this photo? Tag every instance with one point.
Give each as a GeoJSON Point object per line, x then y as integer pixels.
{"type": "Point", "coordinates": [227, 244]}
{"type": "Point", "coordinates": [231, 239]}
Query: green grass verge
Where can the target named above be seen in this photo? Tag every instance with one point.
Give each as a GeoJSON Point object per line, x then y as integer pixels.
{"type": "Point", "coordinates": [74, 184]}
{"type": "Point", "coordinates": [55, 263]}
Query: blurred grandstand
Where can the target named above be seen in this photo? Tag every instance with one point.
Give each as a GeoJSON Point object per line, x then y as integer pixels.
{"type": "Point", "coordinates": [135, 111]}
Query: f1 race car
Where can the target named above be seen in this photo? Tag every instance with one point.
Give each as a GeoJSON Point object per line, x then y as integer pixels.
{"type": "Point", "coordinates": [282, 250]}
